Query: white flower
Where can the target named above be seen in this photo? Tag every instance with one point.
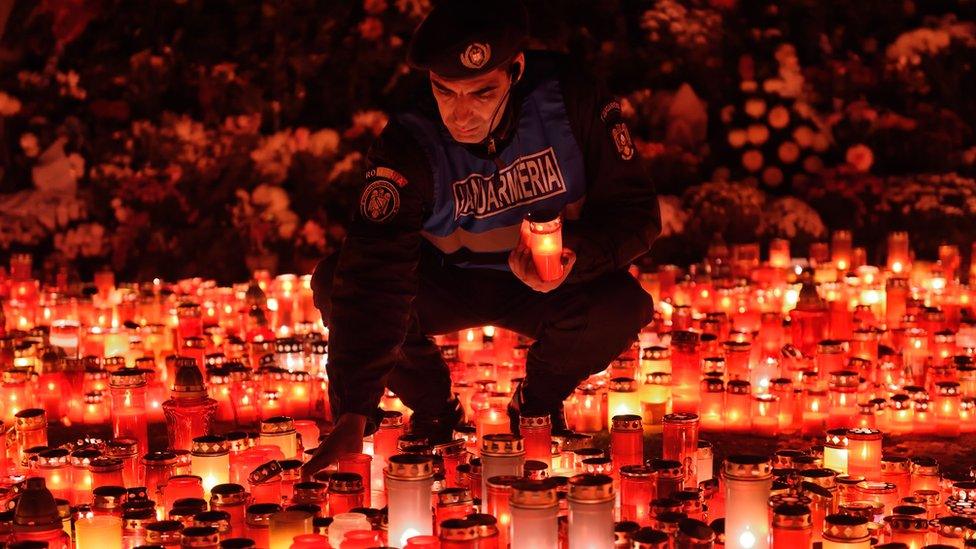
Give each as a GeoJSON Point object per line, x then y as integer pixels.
{"type": "Point", "coordinates": [673, 217]}
{"type": "Point", "coordinates": [324, 143]}
{"type": "Point", "coordinates": [9, 105]}
{"type": "Point", "coordinates": [790, 217]}
{"type": "Point", "coordinates": [28, 142]}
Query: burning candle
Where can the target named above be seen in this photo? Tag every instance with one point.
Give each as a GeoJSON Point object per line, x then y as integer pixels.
{"type": "Point", "coordinates": [864, 453]}
{"type": "Point", "coordinates": [210, 460]}
{"type": "Point", "coordinates": [835, 450]}
{"type": "Point", "coordinates": [681, 443]}
{"type": "Point", "coordinates": [809, 320]}
{"type": "Point", "coordinates": [408, 481]}
{"type": "Point", "coordinates": [622, 398]}
{"type": "Point", "coordinates": [846, 532]}
{"type": "Point", "coordinates": [280, 431]}
{"type": "Point", "coordinates": [626, 440]}
{"type": "Point", "coordinates": [536, 433]}
{"type": "Point", "coordinates": [492, 420]}
{"type": "Point", "coordinates": [636, 490]}
{"type": "Point", "coordinates": [654, 394]}
{"type": "Point", "coordinates": [779, 253]}
{"type": "Point", "coordinates": [748, 480]}
{"type": "Point", "coordinates": [591, 501]}
{"type": "Point", "coordinates": [189, 412]}
{"type": "Point", "coordinates": [128, 389]}
{"type": "Point", "coordinates": [534, 509]}
{"type": "Point", "coordinates": [546, 244]}
{"type": "Point", "coordinates": [712, 404]}
{"type": "Point", "coordinates": [685, 371]}
{"type": "Point", "coordinates": [738, 402]}
{"type": "Point", "coordinates": [98, 532]}
{"type": "Point", "coordinates": [899, 260]}
{"type": "Point", "coordinates": [947, 403]}
{"type": "Point", "coordinates": [284, 526]}
{"type": "Point", "coordinates": [501, 454]}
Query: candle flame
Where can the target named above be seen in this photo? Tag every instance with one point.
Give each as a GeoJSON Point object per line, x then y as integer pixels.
{"type": "Point", "coordinates": [409, 533]}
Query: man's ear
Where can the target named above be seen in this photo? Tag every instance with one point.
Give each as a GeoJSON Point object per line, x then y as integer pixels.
{"type": "Point", "coordinates": [518, 68]}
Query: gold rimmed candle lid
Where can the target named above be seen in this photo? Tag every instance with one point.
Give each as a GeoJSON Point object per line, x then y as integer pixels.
{"type": "Point", "coordinates": [626, 422]}
{"type": "Point", "coordinates": [502, 444]}
{"type": "Point", "coordinates": [535, 421]}
{"type": "Point", "coordinates": [591, 488]}
{"type": "Point", "coordinates": [410, 467]}
{"type": "Point", "coordinates": [277, 425]}
{"type": "Point", "coordinates": [210, 445]}
{"type": "Point", "coordinates": [534, 494]}
{"type": "Point", "coordinates": [458, 529]}
{"type": "Point", "coordinates": [845, 528]}
{"type": "Point", "coordinates": [747, 467]}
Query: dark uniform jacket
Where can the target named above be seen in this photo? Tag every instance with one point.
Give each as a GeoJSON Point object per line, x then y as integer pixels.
{"type": "Point", "coordinates": [562, 145]}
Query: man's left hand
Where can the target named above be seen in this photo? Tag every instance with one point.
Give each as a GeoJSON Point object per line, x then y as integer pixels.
{"type": "Point", "coordinates": [521, 263]}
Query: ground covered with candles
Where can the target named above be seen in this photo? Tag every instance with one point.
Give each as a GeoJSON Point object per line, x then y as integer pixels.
{"type": "Point", "coordinates": [818, 399]}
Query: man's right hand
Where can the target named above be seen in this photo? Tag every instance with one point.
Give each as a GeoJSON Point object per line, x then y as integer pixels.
{"type": "Point", "coordinates": [345, 438]}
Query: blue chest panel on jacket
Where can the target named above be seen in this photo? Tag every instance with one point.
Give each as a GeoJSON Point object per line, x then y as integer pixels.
{"type": "Point", "coordinates": [478, 208]}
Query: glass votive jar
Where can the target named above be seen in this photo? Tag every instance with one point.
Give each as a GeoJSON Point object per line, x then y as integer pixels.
{"type": "Point", "coordinates": [233, 500]}
{"type": "Point", "coordinates": [219, 520]}
{"type": "Point", "coordinates": [285, 525]}
{"type": "Point", "coordinates": [864, 453]}
{"type": "Point", "coordinates": [258, 522]}
{"type": "Point", "coordinates": [637, 488]}
{"type": "Point", "coordinates": [165, 533]}
{"type": "Point", "coordinates": [127, 450]}
{"type": "Point", "coordinates": [345, 492]}
{"type": "Point", "coordinates": [846, 532]}
{"type": "Point", "coordinates": [896, 470]}
{"type": "Point", "coordinates": [884, 493]}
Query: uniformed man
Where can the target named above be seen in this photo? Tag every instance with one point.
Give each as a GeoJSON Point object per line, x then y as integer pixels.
{"type": "Point", "coordinates": [434, 246]}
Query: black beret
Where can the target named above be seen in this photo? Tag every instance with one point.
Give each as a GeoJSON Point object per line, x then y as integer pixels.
{"type": "Point", "coordinates": [465, 38]}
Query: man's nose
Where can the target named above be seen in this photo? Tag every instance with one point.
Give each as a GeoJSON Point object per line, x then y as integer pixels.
{"type": "Point", "coordinates": [463, 112]}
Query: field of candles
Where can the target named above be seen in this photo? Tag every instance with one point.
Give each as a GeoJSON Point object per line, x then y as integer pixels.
{"type": "Point", "coordinates": [773, 403]}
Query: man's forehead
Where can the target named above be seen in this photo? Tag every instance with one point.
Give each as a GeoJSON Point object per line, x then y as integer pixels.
{"type": "Point", "coordinates": [466, 84]}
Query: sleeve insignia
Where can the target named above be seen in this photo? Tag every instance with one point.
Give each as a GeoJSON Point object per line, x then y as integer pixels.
{"type": "Point", "coordinates": [621, 138]}
{"type": "Point", "coordinates": [379, 201]}
{"type": "Point", "coordinates": [386, 173]}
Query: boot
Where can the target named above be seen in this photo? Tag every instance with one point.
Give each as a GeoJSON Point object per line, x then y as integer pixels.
{"type": "Point", "coordinates": [438, 429]}
{"type": "Point", "coordinates": [517, 404]}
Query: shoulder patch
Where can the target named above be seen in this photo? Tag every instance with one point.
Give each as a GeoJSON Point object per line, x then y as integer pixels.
{"type": "Point", "coordinates": [386, 173]}
{"type": "Point", "coordinates": [621, 138]}
{"type": "Point", "coordinates": [610, 114]}
{"type": "Point", "coordinates": [379, 201]}
{"type": "Point", "coordinates": [612, 109]}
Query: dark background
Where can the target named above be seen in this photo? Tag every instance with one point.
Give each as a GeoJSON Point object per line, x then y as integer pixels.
{"type": "Point", "coordinates": [181, 138]}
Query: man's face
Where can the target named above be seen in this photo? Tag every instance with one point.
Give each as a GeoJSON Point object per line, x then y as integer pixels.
{"type": "Point", "coordinates": [466, 105]}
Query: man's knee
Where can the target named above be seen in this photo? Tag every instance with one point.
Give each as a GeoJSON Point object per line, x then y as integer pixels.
{"type": "Point", "coordinates": [322, 283]}
{"type": "Point", "coordinates": [622, 303]}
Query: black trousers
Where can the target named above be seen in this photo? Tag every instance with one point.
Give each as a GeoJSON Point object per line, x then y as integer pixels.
{"type": "Point", "coordinates": [578, 329]}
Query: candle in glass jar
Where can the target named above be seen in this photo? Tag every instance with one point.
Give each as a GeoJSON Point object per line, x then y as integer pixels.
{"type": "Point", "coordinates": [536, 431]}
{"type": "Point", "coordinates": [98, 532]}
{"type": "Point", "coordinates": [899, 259]}
{"type": "Point", "coordinates": [210, 460]}
{"type": "Point", "coordinates": [864, 453]}
{"type": "Point", "coordinates": [636, 490]}
{"type": "Point", "coordinates": [654, 395]}
{"type": "Point", "coordinates": [846, 532]}
{"type": "Point", "coordinates": [686, 371]}
{"type": "Point", "coordinates": [748, 480]}
{"type": "Point", "coordinates": [680, 443]}
{"type": "Point", "coordinates": [622, 398]}
{"type": "Point", "coordinates": [591, 500]}
{"type": "Point", "coordinates": [835, 450]}
{"type": "Point", "coordinates": [534, 509]}
{"type": "Point", "coordinates": [408, 481]}
{"type": "Point", "coordinates": [626, 440]}
{"type": "Point", "coordinates": [546, 244]}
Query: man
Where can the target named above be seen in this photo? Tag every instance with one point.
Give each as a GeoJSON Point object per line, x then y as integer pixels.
{"type": "Point", "coordinates": [434, 246]}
